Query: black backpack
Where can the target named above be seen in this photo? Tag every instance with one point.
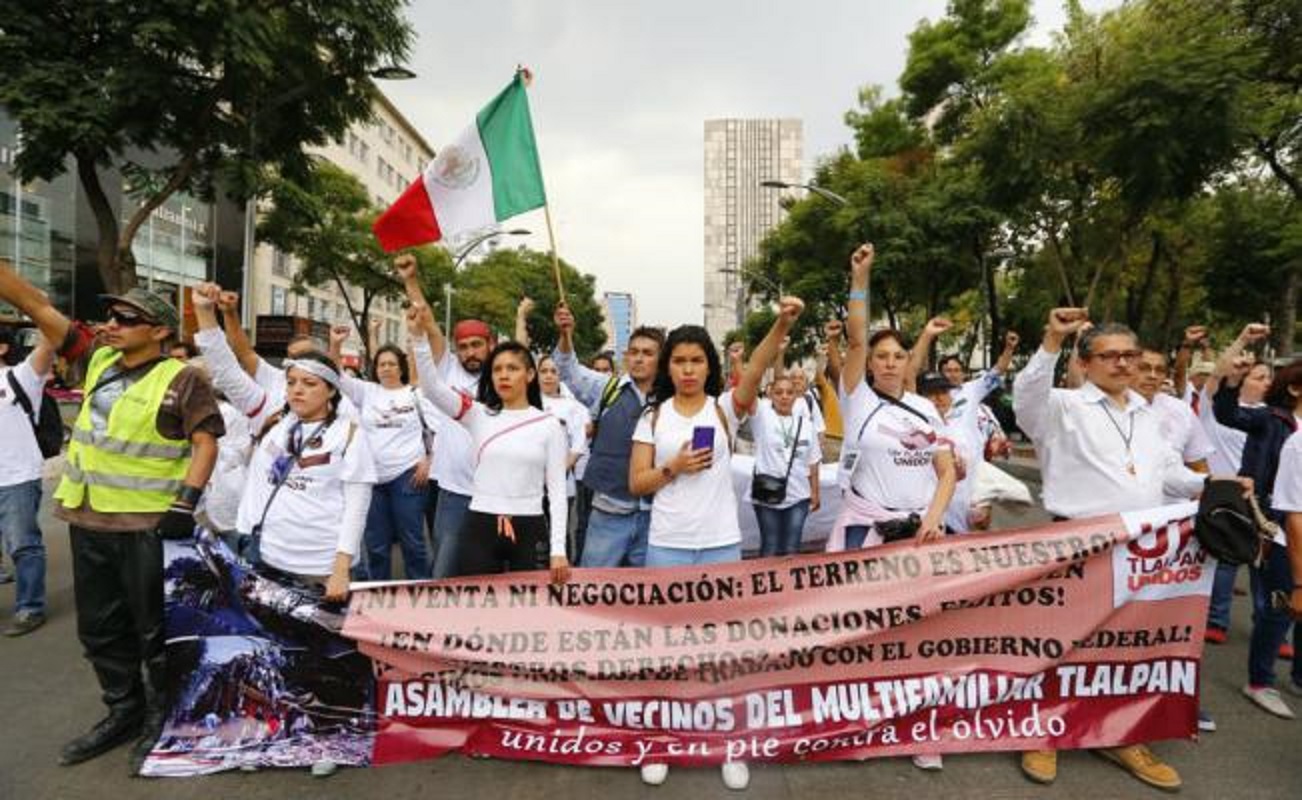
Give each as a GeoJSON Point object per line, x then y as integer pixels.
{"type": "Point", "coordinates": [48, 427]}
{"type": "Point", "coordinates": [1230, 526]}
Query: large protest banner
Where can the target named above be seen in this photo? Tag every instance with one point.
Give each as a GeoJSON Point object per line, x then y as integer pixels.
{"type": "Point", "coordinates": [1079, 634]}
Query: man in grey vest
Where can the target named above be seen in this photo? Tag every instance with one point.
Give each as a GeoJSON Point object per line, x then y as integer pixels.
{"type": "Point", "coordinates": [618, 524]}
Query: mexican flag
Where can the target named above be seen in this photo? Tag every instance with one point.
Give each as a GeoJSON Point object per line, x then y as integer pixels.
{"type": "Point", "coordinates": [489, 174]}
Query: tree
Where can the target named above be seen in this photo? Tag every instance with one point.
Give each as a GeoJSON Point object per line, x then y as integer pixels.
{"type": "Point", "coordinates": [491, 290]}
{"type": "Point", "coordinates": [213, 90]}
{"type": "Point", "coordinates": [325, 221]}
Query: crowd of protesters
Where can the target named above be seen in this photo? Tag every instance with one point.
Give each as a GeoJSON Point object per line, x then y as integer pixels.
{"type": "Point", "coordinates": [538, 461]}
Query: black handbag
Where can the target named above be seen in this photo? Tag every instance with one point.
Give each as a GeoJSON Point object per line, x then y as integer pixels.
{"type": "Point", "coordinates": [1230, 526]}
{"type": "Point", "coordinates": [769, 490]}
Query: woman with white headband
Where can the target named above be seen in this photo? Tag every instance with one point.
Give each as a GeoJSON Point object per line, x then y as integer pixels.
{"type": "Point", "coordinates": [310, 480]}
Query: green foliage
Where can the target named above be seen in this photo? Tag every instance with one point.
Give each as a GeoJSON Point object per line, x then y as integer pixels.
{"type": "Point", "coordinates": [491, 290]}
{"type": "Point", "coordinates": [1141, 165]}
{"type": "Point", "coordinates": [215, 89]}
{"type": "Point", "coordinates": [325, 221]}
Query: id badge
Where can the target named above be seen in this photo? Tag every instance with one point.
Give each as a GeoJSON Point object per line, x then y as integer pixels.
{"type": "Point", "coordinates": [849, 459]}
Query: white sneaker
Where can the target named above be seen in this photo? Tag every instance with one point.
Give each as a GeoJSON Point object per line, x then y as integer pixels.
{"type": "Point", "coordinates": [654, 774]}
{"type": "Point", "coordinates": [736, 775]}
{"type": "Point", "coordinates": [930, 761]}
{"type": "Point", "coordinates": [1267, 697]}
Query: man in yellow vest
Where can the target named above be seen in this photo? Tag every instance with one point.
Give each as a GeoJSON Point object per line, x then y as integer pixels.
{"type": "Point", "coordinates": [142, 449]}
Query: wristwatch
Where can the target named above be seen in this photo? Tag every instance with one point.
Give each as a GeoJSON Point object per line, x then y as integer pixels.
{"type": "Point", "coordinates": [667, 472]}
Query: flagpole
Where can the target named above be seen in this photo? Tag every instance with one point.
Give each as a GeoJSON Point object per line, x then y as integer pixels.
{"type": "Point", "coordinates": [556, 261]}
{"type": "Point", "coordinates": [527, 76]}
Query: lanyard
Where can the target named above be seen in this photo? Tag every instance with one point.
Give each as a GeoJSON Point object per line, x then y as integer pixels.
{"type": "Point", "coordinates": [1126, 437]}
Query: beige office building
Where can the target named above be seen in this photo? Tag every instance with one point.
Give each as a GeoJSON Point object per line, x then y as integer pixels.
{"type": "Point", "coordinates": [386, 154]}
{"type": "Point", "coordinates": [739, 153]}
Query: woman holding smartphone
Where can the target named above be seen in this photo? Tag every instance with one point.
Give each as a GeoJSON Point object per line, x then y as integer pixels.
{"type": "Point", "coordinates": [682, 452]}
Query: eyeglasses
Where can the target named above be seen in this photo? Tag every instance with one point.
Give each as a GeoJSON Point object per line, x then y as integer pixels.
{"type": "Point", "coordinates": [1115, 356]}
{"type": "Point", "coordinates": [1151, 369]}
{"type": "Point", "coordinates": [128, 319]}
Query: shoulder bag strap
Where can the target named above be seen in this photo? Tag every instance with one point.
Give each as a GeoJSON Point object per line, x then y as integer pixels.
{"type": "Point", "coordinates": [795, 445]}
{"type": "Point", "coordinates": [21, 398]}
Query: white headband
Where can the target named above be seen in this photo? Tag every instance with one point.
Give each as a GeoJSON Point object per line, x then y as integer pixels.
{"type": "Point", "coordinates": [318, 369]}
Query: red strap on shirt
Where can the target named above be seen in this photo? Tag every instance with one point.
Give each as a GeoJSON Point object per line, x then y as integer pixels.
{"type": "Point", "coordinates": [517, 426]}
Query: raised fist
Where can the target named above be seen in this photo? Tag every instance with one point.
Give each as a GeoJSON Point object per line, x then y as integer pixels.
{"type": "Point", "coordinates": [1066, 321]}
{"type": "Point", "coordinates": [861, 262]}
{"type": "Point", "coordinates": [405, 266]}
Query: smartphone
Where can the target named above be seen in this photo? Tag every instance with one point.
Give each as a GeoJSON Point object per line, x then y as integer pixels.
{"type": "Point", "coordinates": [703, 437]}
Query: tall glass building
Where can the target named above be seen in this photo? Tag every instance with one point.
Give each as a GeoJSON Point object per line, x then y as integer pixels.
{"type": "Point", "coordinates": [48, 232]}
{"type": "Point", "coordinates": [621, 319]}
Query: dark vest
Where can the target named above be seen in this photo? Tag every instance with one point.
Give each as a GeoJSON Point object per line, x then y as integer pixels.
{"type": "Point", "coordinates": [607, 470]}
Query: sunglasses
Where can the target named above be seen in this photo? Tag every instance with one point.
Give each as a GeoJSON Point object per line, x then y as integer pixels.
{"type": "Point", "coordinates": [128, 319]}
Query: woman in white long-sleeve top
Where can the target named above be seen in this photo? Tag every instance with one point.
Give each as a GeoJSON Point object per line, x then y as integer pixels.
{"type": "Point", "coordinates": [520, 450]}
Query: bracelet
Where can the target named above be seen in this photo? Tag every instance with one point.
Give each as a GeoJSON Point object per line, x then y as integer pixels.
{"type": "Point", "coordinates": [859, 294]}
{"type": "Point", "coordinates": [189, 495]}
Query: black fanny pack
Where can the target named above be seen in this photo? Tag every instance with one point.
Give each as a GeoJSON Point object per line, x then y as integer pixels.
{"type": "Point", "coordinates": [893, 530]}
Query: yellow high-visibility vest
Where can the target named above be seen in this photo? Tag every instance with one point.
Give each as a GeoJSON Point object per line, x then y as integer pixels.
{"type": "Point", "coordinates": [128, 467]}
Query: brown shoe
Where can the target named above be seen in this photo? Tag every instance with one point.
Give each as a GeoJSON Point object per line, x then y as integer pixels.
{"type": "Point", "coordinates": [1040, 766]}
{"type": "Point", "coordinates": [1139, 761]}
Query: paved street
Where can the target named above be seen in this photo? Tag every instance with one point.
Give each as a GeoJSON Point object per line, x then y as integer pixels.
{"type": "Point", "coordinates": [49, 695]}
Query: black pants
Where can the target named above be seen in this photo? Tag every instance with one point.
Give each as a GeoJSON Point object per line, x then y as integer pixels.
{"type": "Point", "coordinates": [118, 583]}
{"type": "Point", "coordinates": [483, 551]}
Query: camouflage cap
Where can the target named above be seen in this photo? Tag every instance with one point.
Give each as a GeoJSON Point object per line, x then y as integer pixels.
{"type": "Point", "coordinates": [153, 306]}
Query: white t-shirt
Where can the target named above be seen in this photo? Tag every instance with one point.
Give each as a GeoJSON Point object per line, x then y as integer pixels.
{"type": "Point", "coordinates": [775, 437]}
{"type": "Point", "coordinates": [574, 417]}
{"type": "Point", "coordinates": [895, 449]}
{"type": "Point", "coordinates": [392, 421]}
{"type": "Point", "coordinates": [807, 405]}
{"type": "Point", "coordinates": [1287, 494]}
{"type": "Point", "coordinates": [695, 511]}
{"type": "Point", "coordinates": [221, 501]}
{"type": "Point", "coordinates": [963, 428]}
{"type": "Point", "coordinates": [302, 532]}
{"type": "Point", "coordinates": [1180, 428]}
{"type": "Point", "coordinates": [22, 459]}
{"type": "Point", "coordinates": [454, 466]}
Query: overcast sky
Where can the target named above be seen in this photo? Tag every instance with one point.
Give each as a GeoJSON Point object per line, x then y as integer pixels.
{"type": "Point", "coordinates": [620, 96]}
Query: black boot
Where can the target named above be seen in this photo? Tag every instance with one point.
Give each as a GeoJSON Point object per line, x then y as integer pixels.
{"type": "Point", "coordinates": [155, 717]}
{"type": "Point", "coordinates": [121, 724]}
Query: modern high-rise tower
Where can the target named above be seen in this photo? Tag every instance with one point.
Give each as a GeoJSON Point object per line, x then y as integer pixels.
{"type": "Point", "coordinates": [739, 153]}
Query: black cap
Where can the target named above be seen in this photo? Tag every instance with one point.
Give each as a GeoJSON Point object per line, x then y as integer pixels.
{"type": "Point", "coordinates": [933, 383]}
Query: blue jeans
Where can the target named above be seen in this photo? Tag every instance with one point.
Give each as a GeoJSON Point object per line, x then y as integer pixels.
{"type": "Point", "coordinates": [1270, 624]}
{"type": "Point", "coordinates": [448, 520]}
{"type": "Point", "coordinates": [684, 557]}
{"type": "Point", "coordinates": [854, 536]}
{"type": "Point", "coordinates": [1218, 611]}
{"type": "Point", "coordinates": [781, 528]}
{"type": "Point", "coordinates": [23, 543]}
{"type": "Point", "coordinates": [397, 515]}
{"type": "Point", "coordinates": [616, 540]}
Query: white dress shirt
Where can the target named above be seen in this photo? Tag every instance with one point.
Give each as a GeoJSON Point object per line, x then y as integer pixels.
{"type": "Point", "coordinates": [1096, 458]}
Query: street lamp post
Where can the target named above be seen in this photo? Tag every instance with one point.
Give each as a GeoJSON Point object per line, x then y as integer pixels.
{"type": "Point", "coordinates": [456, 263]}
{"type": "Point", "coordinates": [837, 200]}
